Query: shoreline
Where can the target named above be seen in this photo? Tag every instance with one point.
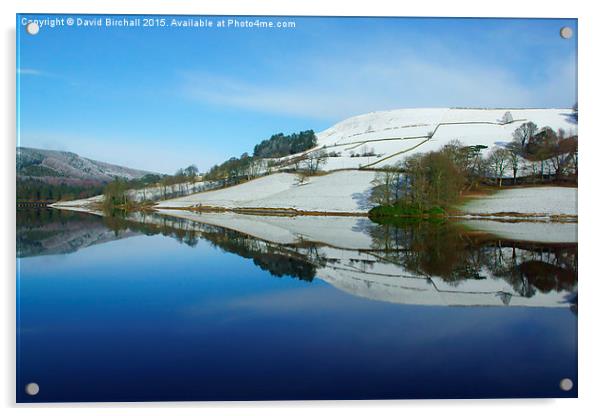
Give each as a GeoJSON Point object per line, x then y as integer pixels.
{"type": "Point", "coordinates": [265, 211]}
{"type": "Point", "coordinates": [292, 212]}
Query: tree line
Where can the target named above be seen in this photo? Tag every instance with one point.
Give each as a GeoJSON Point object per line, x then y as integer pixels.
{"type": "Point", "coordinates": [38, 190]}
{"type": "Point", "coordinates": [116, 192]}
{"type": "Point", "coordinates": [246, 167]}
{"type": "Point", "coordinates": [535, 150]}
{"type": "Point", "coordinates": [236, 169]}
{"type": "Point", "coordinates": [280, 145]}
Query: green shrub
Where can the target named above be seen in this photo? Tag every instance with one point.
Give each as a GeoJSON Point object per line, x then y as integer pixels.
{"type": "Point", "coordinates": [404, 210]}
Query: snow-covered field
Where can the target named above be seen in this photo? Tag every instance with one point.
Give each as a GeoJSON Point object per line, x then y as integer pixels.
{"type": "Point", "coordinates": [545, 200]}
{"type": "Point", "coordinates": [340, 192]}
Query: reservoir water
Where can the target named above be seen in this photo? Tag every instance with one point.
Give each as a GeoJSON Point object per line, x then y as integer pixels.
{"type": "Point", "coordinates": [234, 307]}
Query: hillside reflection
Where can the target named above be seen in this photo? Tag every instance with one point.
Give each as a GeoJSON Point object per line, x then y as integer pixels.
{"type": "Point", "coordinates": [417, 262]}
{"type": "Point", "coordinates": [407, 262]}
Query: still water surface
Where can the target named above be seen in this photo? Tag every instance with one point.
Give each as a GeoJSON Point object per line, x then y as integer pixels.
{"type": "Point", "coordinates": [172, 309]}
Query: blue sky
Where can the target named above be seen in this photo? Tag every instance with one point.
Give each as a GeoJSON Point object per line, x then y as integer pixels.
{"type": "Point", "coordinates": [163, 98]}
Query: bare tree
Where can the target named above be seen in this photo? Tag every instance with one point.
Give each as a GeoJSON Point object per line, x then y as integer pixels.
{"type": "Point", "coordinates": [298, 161]}
{"type": "Point", "coordinates": [525, 133]}
{"type": "Point", "coordinates": [541, 148]}
{"type": "Point", "coordinates": [253, 168]}
{"type": "Point", "coordinates": [498, 161]}
{"type": "Point", "coordinates": [314, 160]}
{"type": "Point", "coordinates": [468, 159]}
{"type": "Point", "coordinates": [531, 168]}
{"type": "Point", "coordinates": [515, 152]}
{"type": "Point", "coordinates": [562, 151]}
{"type": "Point", "coordinates": [386, 186]}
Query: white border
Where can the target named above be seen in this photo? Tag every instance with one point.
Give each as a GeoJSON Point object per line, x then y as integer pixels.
{"type": "Point", "coordinates": [590, 148]}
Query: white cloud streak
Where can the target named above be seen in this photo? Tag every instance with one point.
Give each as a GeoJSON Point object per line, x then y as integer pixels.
{"type": "Point", "coordinates": [30, 71]}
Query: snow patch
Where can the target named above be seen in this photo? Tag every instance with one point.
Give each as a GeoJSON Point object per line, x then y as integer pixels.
{"type": "Point", "coordinates": [548, 200]}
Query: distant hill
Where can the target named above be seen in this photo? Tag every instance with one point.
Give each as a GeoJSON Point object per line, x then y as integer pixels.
{"type": "Point", "coordinates": [57, 167]}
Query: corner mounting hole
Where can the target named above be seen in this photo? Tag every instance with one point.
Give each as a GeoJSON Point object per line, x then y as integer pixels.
{"type": "Point", "coordinates": [566, 32]}
{"type": "Point", "coordinates": [32, 28]}
{"type": "Point", "coordinates": [566, 384]}
{"type": "Point", "coordinates": [32, 389]}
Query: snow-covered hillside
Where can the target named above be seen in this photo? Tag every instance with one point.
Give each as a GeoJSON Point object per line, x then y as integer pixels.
{"type": "Point", "coordinates": [390, 136]}
{"type": "Point", "coordinates": [344, 191]}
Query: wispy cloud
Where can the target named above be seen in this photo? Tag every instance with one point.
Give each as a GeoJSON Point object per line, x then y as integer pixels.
{"type": "Point", "coordinates": [31, 71]}
{"type": "Point", "coordinates": [331, 87]}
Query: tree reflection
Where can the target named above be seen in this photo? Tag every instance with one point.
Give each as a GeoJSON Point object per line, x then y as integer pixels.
{"type": "Point", "coordinates": [452, 252]}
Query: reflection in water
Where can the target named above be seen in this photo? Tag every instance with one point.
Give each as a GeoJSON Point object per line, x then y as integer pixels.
{"type": "Point", "coordinates": [51, 231]}
{"type": "Point", "coordinates": [414, 262]}
{"type": "Point", "coordinates": [279, 260]}
{"type": "Point", "coordinates": [202, 320]}
{"type": "Point", "coordinates": [455, 255]}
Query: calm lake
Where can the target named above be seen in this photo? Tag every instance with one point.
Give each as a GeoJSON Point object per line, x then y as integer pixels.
{"type": "Point", "coordinates": [236, 307]}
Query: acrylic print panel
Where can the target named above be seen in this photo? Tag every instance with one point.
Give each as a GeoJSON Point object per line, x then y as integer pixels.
{"type": "Point", "coordinates": [289, 208]}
